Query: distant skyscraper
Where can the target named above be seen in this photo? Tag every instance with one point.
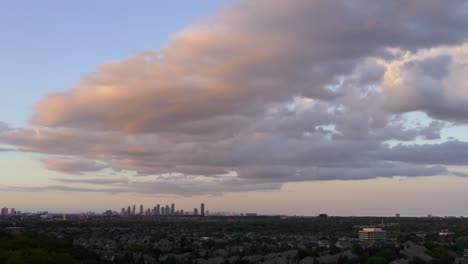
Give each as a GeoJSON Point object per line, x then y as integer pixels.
{"type": "Point", "coordinates": [172, 209]}
{"type": "Point", "coordinates": [133, 210]}
{"type": "Point", "coordinates": [168, 211]}
{"type": "Point", "coordinates": [4, 211]}
{"type": "Point", "coordinates": [12, 212]}
{"type": "Point", "coordinates": [129, 210]}
{"type": "Point", "coordinates": [141, 209]}
{"type": "Point", "coordinates": [202, 209]}
{"type": "Point", "coordinates": [158, 209]}
{"type": "Point", "coordinates": [122, 212]}
{"type": "Point", "coordinates": [195, 211]}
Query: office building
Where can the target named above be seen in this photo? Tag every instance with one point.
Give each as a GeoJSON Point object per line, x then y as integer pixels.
{"type": "Point", "coordinates": [158, 209]}
{"type": "Point", "coordinates": [195, 211]}
{"type": "Point", "coordinates": [168, 211]}
{"type": "Point", "coordinates": [172, 209]}
{"type": "Point", "coordinates": [372, 234]}
{"type": "Point", "coordinates": [4, 211]}
{"type": "Point", "coordinates": [202, 209]}
{"type": "Point", "coordinates": [141, 209]}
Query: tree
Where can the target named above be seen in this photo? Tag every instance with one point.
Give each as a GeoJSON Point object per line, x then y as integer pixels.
{"type": "Point", "coordinates": [376, 260]}
{"type": "Point", "coordinates": [462, 243]}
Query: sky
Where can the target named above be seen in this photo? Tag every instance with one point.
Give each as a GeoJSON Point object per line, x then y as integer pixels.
{"type": "Point", "coordinates": [269, 106]}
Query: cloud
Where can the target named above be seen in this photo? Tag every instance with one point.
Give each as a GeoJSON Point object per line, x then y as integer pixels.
{"type": "Point", "coordinates": [436, 67]}
{"type": "Point", "coordinates": [267, 92]}
{"type": "Point", "coordinates": [94, 181]}
{"type": "Point", "coordinates": [447, 153]}
{"type": "Point", "coordinates": [431, 81]}
{"type": "Point", "coordinates": [59, 188]}
{"type": "Point", "coordinates": [6, 149]}
{"type": "Point", "coordinates": [72, 164]}
{"type": "Point", "coordinates": [246, 59]}
{"type": "Point", "coordinates": [4, 127]}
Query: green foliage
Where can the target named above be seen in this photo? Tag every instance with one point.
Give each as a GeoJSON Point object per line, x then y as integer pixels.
{"type": "Point", "coordinates": [46, 249]}
{"type": "Point", "coordinates": [388, 253]}
{"type": "Point", "coordinates": [441, 255]}
{"type": "Point", "coordinates": [416, 260]}
{"type": "Point", "coordinates": [357, 250]}
{"type": "Point", "coordinates": [376, 260]}
{"type": "Point", "coordinates": [462, 243]}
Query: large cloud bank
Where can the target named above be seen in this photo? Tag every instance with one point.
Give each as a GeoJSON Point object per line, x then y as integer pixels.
{"type": "Point", "coordinates": [267, 92]}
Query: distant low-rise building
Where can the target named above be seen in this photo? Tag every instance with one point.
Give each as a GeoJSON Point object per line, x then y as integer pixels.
{"type": "Point", "coordinates": [324, 243]}
{"type": "Point", "coordinates": [413, 250]}
{"type": "Point", "coordinates": [344, 244]}
{"type": "Point", "coordinates": [445, 232]}
{"type": "Point", "coordinates": [372, 234]}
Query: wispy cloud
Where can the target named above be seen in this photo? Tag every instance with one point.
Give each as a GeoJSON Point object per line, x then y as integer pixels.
{"type": "Point", "coordinates": [94, 181]}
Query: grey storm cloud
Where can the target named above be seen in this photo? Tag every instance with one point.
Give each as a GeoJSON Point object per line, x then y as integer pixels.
{"type": "Point", "coordinates": [263, 93]}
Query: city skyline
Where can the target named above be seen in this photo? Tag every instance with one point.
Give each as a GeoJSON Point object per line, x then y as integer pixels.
{"type": "Point", "coordinates": [268, 106]}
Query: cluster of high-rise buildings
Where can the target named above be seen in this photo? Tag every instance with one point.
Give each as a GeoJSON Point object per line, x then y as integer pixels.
{"type": "Point", "coordinates": [11, 212]}
{"type": "Point", "coordinates": [162, 210]}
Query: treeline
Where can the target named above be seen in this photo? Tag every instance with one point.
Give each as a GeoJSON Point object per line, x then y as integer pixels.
{"type": "Point", "coordinates": [33, 248]}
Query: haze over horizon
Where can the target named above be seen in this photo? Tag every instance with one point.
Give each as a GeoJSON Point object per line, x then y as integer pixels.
{"type": "Point", "coordinates": [347, 107]}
